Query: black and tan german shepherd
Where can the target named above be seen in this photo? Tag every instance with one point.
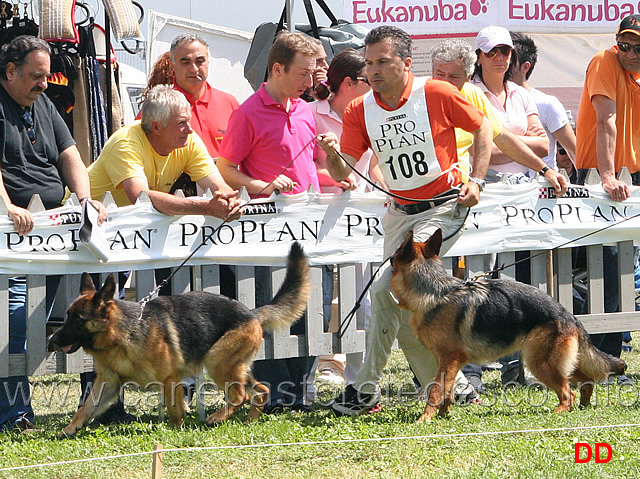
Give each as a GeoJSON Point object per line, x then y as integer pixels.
{"type": "Point", "coordinates": [173, 337]}
{"type": "Point", "coordinates": [461, 322]}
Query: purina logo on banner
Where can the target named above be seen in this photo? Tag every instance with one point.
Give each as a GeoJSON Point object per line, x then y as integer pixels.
{"type": "Point", "coordinates": [547, 192]}
{"type": "Point", "coordinates": [438, 17]}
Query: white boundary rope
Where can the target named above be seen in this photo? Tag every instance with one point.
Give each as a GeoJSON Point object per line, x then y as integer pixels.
{"type": "Point", "coordinates": [334, 441]}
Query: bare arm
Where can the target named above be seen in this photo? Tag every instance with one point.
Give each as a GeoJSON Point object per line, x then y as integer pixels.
{"type": "Point", "coordinates": [22, 219]}
{"type": "Point", "coordinates": [74, 174]}
{"type": "Point", "coordinates": [516, 149]}
{"type": "Point", "coordinates": [535, 138]}
{"type": "Point", "coordinates": [482, 138]}
{"type": "Point", "coordinates": [606, 133]}
{"type": "Point", "coordinates": [222, 205]}
{"type": "Point", "coordinates": [567, 138]}
{"type": "Point", "coordinates": [236, 179]}
{"type": "Point", "coordinates": [338, 169]}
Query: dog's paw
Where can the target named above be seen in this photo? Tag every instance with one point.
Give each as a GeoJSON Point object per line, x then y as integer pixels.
{"type": "Point", "coordinates": [65, 434]}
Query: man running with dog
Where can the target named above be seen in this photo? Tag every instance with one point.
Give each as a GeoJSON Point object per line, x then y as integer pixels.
{"type": "Point", "coordinates": [409, 123]}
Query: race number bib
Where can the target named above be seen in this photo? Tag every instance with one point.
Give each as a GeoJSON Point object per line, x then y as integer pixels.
{"type": "Point", "coordinates": [402, 140]}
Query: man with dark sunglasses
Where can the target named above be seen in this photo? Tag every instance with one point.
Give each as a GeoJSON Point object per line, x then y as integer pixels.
{"type": "Point", "coordinates": [608, 138]}
{"type": "Point", "coordinates": [608, 128]}
{"type": "Point", "coordinates": [38, 155]}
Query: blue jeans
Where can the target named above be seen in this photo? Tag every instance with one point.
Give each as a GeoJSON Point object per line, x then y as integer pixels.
{"type": "Point", "coordinates": [15, 397]}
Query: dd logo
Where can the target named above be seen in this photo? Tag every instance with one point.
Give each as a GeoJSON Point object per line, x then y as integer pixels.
{"type": "Point", "coordinates": [599, 446]}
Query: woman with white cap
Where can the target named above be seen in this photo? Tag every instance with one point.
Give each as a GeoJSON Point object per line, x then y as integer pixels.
{"type": "Point", "coordinates": [514, 104]}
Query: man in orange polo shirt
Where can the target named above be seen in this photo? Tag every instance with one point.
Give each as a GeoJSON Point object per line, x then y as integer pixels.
{"type": "Point", "coordinates": [608, 138]}
{"type": "Point", "coordinates": [409, 123]}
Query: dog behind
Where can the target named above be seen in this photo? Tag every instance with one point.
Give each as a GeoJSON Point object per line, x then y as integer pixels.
{"type": "Point", "coordinates": [480, 321]}
{"type": "Point", "coordinates": [173, 337]}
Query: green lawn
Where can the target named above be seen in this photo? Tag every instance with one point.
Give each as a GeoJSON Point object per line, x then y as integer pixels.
{"type": "Point", "coordinates": [511, 435]}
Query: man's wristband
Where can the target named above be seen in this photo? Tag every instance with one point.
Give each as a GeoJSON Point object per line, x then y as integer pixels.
{"type": "Point", "coordinates": [478, 181]}
{"type": "Point", "coordinates": [543, 170]}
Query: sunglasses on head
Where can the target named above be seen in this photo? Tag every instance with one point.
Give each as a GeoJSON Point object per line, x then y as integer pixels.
{"type": "Point", "coordinates": [27, 119]}
{"type": "Point", "coordinates": [504, 49]}
{"type": "Point", "coordinates": [626, 47]}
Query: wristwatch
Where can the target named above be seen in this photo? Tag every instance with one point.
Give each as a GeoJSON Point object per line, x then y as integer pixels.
{"type": "Point", "coordinates": [543, 170]}
{"type": "Point", "coordinates": [478, 181]}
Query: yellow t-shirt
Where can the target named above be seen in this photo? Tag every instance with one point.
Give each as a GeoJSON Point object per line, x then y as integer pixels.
{"type": "Point", "coordinates": [464, 139]}
{"type": "Point", "coordinates": [129, 154]}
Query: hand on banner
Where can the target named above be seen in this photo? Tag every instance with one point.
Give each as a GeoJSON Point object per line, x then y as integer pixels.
{"type": "Point", "coordinates": [557, 180]}
{"type": "Point", "coordinates": [226, 206]}
{"type": "Point", "coordinates": [618, 190]}
{"type": "Point", "coordinates": [22, 219]}
{"type": "Point", "coordinates": [102, 212]}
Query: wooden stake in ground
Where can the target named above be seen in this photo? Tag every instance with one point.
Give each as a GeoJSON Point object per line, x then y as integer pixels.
{"type": "Point", "coordinates": [156, 472]}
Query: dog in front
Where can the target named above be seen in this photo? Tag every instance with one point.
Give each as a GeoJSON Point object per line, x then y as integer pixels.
{"type": "Point", "coordinates": [173, 337]}
{"type": "Point", "coordinates": [480, 321]}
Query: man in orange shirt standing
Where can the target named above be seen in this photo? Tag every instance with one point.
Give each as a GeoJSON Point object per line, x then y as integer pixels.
{"type": "Point", "coordinates": [608, 138]}
{"type": "Point", "coordinates": [409, 124]}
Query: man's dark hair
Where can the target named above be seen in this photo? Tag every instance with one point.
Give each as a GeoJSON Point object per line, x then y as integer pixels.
{"type": "Point", "coordinates": [526, 50]}
{"type": "Point", "coordinates": [401, 39]}
{"type": "Point", "coordinates": [187, 38]}
{"type": "Point", "coordinates": [17, 50]}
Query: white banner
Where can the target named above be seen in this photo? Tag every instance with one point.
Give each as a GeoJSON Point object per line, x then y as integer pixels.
{"type": "Point", "coordinates": [438, 17]}
{"type": "Point", "coordinates": [332, 229]}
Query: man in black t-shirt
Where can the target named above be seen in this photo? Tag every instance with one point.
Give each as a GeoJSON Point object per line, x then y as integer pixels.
{"type": "Point", "coordinates": [38, 155]}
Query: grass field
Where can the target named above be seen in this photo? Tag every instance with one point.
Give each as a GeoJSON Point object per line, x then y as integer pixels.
{"type": "Point", "coordinates": [513, 434]}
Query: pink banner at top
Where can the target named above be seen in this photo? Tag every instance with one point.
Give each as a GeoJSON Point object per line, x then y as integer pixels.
{"type": "Point", "coordinates": [447, 17]}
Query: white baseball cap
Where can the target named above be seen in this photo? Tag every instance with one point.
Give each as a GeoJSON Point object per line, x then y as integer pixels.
{"type": "Point", "coordinates": [490, 37]}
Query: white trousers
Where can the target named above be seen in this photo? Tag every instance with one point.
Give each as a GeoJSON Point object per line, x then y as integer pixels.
{"type": "Point", "coordinates": [388, 321]}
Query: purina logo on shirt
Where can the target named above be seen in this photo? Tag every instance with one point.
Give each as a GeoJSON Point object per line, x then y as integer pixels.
{"type": "Point", "coordinates": [395, 118]}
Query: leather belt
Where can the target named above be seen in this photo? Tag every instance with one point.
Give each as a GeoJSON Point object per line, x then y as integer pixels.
{"type": "Point", "coordinates": [415, 208]}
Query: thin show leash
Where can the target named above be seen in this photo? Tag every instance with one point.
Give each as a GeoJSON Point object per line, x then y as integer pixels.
{"type": "Point", "coordinates": [143, 302]}
{"type": "Point", "coordinates": [342, 327]}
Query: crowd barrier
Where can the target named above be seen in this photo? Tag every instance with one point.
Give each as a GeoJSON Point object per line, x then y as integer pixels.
{"type": "Point", "coordinates": [347, 234]}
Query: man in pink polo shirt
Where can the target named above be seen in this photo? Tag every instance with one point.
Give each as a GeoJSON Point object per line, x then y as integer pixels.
{"type": "Point", "coordinates": [270, 137]}
{"type": "Point", "coordinates": [210, 107]}
{"type": "Point", "coordinates": [269, 145]}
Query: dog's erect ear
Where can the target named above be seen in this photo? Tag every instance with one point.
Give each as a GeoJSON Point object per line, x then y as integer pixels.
{"type": "Point", "coordinates": [433, 244]}
{"type": "Point", "coordinates": [107, 291]}
{"type": "Point", "coordinates": [405, 252]}
{"type": "Point", "coordinates": [86, 284]}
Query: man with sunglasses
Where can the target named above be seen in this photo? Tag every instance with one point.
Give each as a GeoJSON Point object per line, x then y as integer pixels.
{"type": "Point", "coordinates": [608, 128]}
{"type": "Point", "coordinates": [608, 138]}
{"type": "Point", "coordinates": [39, 156]}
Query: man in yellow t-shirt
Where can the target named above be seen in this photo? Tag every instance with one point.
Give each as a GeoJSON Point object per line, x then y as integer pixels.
{"type": "Point", "coordinates": [453, 61]}
{"type": "Point", "coordinates": [151, 154]}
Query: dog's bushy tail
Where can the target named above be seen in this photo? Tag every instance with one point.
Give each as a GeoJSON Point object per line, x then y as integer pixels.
{"type": "Point", "coordinates": [290, 302]}
{"type": "Point", "coordinates": [595, 363]}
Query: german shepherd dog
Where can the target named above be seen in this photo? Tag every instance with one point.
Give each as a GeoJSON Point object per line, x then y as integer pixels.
{"type": "Point", "coordinates": [173, 337]}
{"type": "Point", "coordinates": [463, 321]}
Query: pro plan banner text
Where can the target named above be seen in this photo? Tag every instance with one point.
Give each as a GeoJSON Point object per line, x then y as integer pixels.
{"type": "Point", "coordinates": [332, 229]}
